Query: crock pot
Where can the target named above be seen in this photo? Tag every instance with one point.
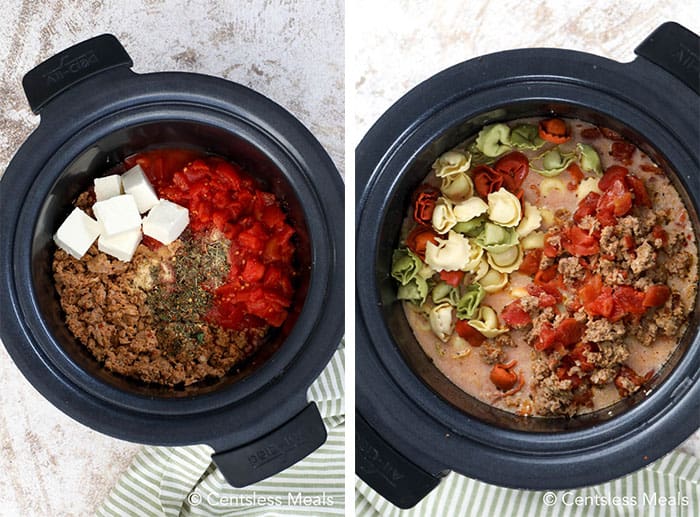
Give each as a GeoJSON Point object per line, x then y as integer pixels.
{"type": "Point", "coordinates": [413, 424]}
{"type": "Point", "coordinates": [95, 112]}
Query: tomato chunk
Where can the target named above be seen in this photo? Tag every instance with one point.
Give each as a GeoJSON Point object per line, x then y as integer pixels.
{"type": "Point", "coordinates": [531, 262]}
{"type": "Point", "coordinates": [656, 295]}
{"type": "Point", "coordinates": [469, 333]}
{"type": "Point", "coordinates": [452, 278]}
{"type": "Point", "coordinates": [515, 316]}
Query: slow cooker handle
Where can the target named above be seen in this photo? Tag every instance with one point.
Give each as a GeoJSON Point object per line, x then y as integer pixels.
{"type": "Point", "coordinates": [274, 452]}
{"type": "Point", "coordinates": [67, 68]}
{"type": "Point", "coordinates": [675, 49]}
{"type": "Point", "coordinates": [387, 471]}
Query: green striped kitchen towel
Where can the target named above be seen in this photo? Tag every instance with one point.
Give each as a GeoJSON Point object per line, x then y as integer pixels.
{"type": "Point", "coordinates": [183, 481]}
{"type": "Point", "coordinates": [668, 487]}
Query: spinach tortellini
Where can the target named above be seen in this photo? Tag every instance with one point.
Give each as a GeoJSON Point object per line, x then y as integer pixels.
{"type": "Point", "coordinates": [554, 162]}
{"type": "Point", "coordinates": [494, 140]}
{"type": "Point", "coordinates": [405, 265]}
{"type": "Point", "coordinates": [526, 136]}
{"type": "Point", "coordinates": [588, 159]}
{"type": "Point", "coordinates": [470, 300]}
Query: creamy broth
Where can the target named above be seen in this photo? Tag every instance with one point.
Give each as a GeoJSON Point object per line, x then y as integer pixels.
{"type": "Point", "coordinates": [465, 365]}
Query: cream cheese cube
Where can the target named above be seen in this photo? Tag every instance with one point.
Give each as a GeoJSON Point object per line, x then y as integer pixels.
{"type": "Point", "coordinates": [136, 183]}
{"type": "Point", "coordinates": [166, 221]}
{"type": "Point", "coordinates": [117, 215]}
{"type": "Point", "coordinates": [77, 233]}
{"type": "Point", "coordinates": [108, 187]}
{"type": "Point", "coordinates": [121, 246]}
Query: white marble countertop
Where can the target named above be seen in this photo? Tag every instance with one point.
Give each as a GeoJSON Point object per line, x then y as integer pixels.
{"type": "Point", "coordinates": [399, 43]}
{"type": "Point", "coordinates": [292, 52]}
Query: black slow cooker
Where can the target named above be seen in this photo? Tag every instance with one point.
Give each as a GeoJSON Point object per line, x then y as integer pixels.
{"type": "Point", "coordinates": [95, 112]}
{"type": "Point", "coordinates": [413, 424]}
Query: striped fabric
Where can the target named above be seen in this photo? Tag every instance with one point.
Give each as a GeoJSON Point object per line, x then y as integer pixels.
{"type": "Point", "coordinates": [668, 487]}
{"type": "Point", "coordinates": [183, 481]}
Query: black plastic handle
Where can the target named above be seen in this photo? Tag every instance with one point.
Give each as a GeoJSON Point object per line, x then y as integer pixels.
{"type": "Point", "coordinates": [387, 471]}
{"type": "Point", "coordinates": [58, 73]}
{"type": "Point", "coordinates": [675, 49]}
{"type": "Point", "coordinates": [275, 451]}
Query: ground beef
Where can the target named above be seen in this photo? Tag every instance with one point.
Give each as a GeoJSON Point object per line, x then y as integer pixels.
{"type": "Point", "coordinates": [671, 317]}
{"type": "Point", "coordinates": [106, 309]}
{"type": "Point", "coordinates": [645, 259]}
{"type": "Point", "coordinates": [571, 270]}
{"type": "Point", "coordinates": [530, 304]}
{"type": "Point", "coordinates": [679, 263]}
{"type": "Point", "coordinates": [603, 376]}
{"type": "Point", "coordinates": [609, 354]}
{"type": "Point", "coordinates": [646, 330]}
{"type": "Point", "coordinates": [554, 397]}
{"type": "Point", "coordinates": [602, 329]}
{"type": "Point", "coordinates": [491, 352]}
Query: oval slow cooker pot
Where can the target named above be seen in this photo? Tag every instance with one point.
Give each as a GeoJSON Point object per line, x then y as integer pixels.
{"type": "Point", "coordinates": [95, 112]}
{"type": "Point", "coordinates": [413, 424]}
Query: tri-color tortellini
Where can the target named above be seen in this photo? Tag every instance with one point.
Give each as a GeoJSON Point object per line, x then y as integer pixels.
{"type": "Point", "coordinates": [451, 162]}
{"type": "Point", "coordinates": [474, 227]}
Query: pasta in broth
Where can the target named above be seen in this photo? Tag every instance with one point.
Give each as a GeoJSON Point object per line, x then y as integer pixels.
{"type": "Point", "coordinates": [547, 266]}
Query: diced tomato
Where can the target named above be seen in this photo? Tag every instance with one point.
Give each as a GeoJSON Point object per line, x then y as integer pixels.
{"type": "Point", "coordinates": [623, 151]}
{"type": "Point", "coordinates": [570, 331]}
{"type": "Point", "coordinates": [659, 233]}
{"type": "Point", "coordinates": [550, 250]}
{"type": "Point", "coordinates": [562, 372]}
{"type": "Point", "coordinates": [253, 271]}
{"type": "Point", "coordinates": [656, 295]}
{"type": "Point", "coordinates": [548, 276]}
{"type": "Point", "coordinates": [531, 262]}
{"type": "Point", "coordinates": [576, 172]}
{"type": "Point", "coordinates": [452, 278]}
{"type": "Point", "coordinates": [625, 377]}
{"type": "Point", "coordinates": [629, 300]}
{"type": "Point", "coordinates": [580, 243]}
{"type": "Point", "coordinates": [641, 196]}
{"type": "Point", "coordinates": [629, 243]}
{"type": "Point", "coordinates": [612, 173]}
{"type": "Point", "coordinates": [578, 354]}
{"type": "Point", "coordinates": [567, 333]}
{"type": "Point", "coordinates": [590, 133]}
{"type": "Point", "coordinates": [515, 168]}
{"type": "Point", "coordinates": [587, 206]}
{"type": "Point", "coordinates": [616, 201]}
{"type": "Point", "coordinates": [610, 134]}
{"type": "Point", "coordinates": [466, 331]}
{"type": "Point", "coordinates": [515, 316]}
{"type": "Point", "coordinates": [547, 292]}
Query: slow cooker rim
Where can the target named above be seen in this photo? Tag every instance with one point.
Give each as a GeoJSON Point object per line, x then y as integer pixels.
{"type": "Point", "coordinates": [380, 142]}
{"type": "Point", "coordinates": [300, 144]}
